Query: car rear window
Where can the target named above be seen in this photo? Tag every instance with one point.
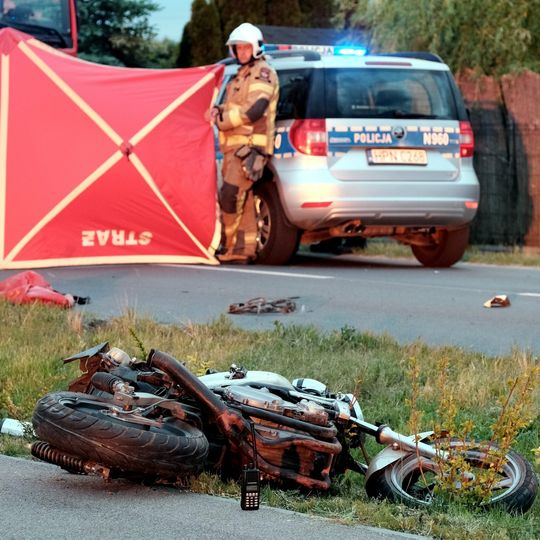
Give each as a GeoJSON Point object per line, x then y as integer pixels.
{"type": "Point", "coordinates": [389, 93]}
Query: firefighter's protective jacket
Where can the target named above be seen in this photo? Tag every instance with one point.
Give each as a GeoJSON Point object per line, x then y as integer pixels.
{"type": "Point", "coordinates": [247, 115]}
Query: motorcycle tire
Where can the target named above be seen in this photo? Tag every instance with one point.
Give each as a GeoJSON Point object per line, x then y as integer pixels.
{"type": "Point", "coordinates": [77, 424]}
{"type": "Point", "coordinates": [411, 480]}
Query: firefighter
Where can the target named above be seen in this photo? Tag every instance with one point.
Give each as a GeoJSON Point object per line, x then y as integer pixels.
{"type": "Point", "coordinates": [245, 121]}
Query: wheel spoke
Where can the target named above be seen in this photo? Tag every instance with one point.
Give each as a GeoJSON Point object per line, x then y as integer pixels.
{"type": "Point", "coordinates": [503, 484]}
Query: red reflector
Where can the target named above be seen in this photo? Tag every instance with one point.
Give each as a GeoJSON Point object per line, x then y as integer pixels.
{"type": "Point", "coordinates": [466, 139]}
{"type": "Point", "coordinates": [325, 204]}
{"type": "Point", "coordinates": [309, 136]}
{"type": "Point", "coordinates": [471, 205]}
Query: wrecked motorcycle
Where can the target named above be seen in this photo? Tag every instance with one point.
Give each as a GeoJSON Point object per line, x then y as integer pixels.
{"type": "Point", "coordinates": [155, 420]}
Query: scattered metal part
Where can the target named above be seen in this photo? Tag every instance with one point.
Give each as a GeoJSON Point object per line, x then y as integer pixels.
{"type": "Point", "coordinates": [262, 305]}
{"type": "Point", "coordinates": [500, 300]}
{"type": "Point", "coordinates": [237, 372]}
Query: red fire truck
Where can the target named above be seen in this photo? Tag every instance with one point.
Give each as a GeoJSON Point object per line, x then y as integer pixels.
{"type": "Point", "coordinates": [51, 21]}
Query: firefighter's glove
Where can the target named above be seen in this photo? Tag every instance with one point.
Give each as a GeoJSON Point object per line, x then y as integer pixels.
{"type": "Point", "coordinates": [253, 162]}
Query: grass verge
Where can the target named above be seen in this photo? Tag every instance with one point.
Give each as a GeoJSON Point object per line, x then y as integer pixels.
{"type": "Point", "coordinates": [474, 254]}
{"type": "Point", "coordinates": [35, 338]}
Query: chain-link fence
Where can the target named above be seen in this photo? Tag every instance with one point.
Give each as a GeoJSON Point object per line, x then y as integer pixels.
{"type": "Point", "coordinates": [506, 125]}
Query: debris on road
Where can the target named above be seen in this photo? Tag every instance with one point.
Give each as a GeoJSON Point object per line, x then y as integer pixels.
{"type": "Point", "coordinates": [29, 286]}
{"type": "Point", "coordinates": [262, 305]}
{"type": "Point", "coordinates": [500, 300]}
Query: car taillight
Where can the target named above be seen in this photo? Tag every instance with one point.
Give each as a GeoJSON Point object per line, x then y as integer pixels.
{"type": "Point", "coordinates": [466, 139]}
{"type": "Point", "coordinates": [309, 136]}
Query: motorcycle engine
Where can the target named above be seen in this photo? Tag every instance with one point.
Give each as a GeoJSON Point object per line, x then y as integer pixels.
{"type": "Point", "coordinates": [305, 410]}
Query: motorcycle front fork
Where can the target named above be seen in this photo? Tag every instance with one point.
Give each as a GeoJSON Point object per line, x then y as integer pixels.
{"type": "Point", "coordinates": [412, 443]}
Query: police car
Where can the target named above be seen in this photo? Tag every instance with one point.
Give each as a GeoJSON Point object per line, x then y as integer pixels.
{"type": "Point", "coordinates": [367, 146]}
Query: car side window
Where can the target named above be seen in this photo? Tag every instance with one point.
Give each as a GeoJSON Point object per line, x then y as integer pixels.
{"type": "Point", "coordinates": [294, 86]}
{"type": "Point", "coordinates": [221, 93]}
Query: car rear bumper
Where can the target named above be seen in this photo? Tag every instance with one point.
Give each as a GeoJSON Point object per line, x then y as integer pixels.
{"type": "Point", "coordinates": [313, 199]}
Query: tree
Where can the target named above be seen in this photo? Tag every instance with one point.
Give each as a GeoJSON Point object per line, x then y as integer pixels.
{"type": "Point", "coordinates": [493, 39]}
{"type": "Point", "coordinates": [234, 12]}
{"type": "Point", "coordinates": [231, 13]}
{"type": "Point", "coordinates": [116, 31]}
{"type": "Point", "coordinates": [310, 13]}
{"type": "Point", "coordinates": [206, 42]}
{"type": "Point", "coordinates": [533, 24]}
{"type": "Point", "coordinates": [162, 54]}
{"type": "Point", "coordinates": [317, 13]}
{"type": "Point", "coordinates": [283, 13]}
{"type": "Point", "coordinates": [184, 53]}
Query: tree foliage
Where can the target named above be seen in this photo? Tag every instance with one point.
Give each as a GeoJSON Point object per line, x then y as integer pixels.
{"type": "Point", "coordinates": [206, 43]}
{"type": "Point", "coordinates": [235, 12]}
{"type": "Point", "coordinates": [283, 13]}
{"type": "Point", "coordinates": [231, 13]}
{"type": "Point", "coordinates": [317, 13]}
{"type": "Point", "coordinates": [117, 32]}
{"type": "Point", "coordinates": [184, 52]}
{"type": "Point", "coordinates": [493, 38]}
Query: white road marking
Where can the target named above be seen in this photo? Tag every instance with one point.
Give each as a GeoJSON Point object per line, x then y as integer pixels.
{"type": "Point", "coordinates": [534, 294]}
{"type": "Point", "coordinates": [262, 272]}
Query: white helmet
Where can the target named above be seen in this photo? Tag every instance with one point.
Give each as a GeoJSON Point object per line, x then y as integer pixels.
{"type": "Point", "coordinates": [247, 33]}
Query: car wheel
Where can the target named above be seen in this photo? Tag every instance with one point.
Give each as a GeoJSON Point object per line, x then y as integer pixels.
{"type": "Point", "coordinates": [446, 249]}
{"type": "Point", "coordinates": [277, 239]}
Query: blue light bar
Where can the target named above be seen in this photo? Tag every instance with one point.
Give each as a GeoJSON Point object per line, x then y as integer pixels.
{"type": "Point", "coordinates": [342, 50]}
{"type": "Point", "coordinates": [350, 51]}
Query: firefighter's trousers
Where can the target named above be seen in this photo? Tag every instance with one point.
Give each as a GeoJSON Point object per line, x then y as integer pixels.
{"type": "Point", "coordinates": [237, 209]}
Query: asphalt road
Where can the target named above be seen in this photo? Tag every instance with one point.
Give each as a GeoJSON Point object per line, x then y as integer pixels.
{"type": "Point", "coordinates": [41, 502]}
{"type": "Point", "coordinates": [397, 297]}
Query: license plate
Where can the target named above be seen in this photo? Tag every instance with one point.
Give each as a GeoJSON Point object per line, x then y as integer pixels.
{"type": "Point", "coordinates": [396, 156]}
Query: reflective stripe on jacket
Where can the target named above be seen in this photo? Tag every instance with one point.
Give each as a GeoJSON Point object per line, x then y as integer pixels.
{"type": "Point", "coordinates": [247, 115]}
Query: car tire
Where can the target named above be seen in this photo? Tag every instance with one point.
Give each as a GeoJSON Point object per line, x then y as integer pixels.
{"type": "Point", "coordinates": [277, 239]}
{"type": "Point", "coordinates": [447, 248]}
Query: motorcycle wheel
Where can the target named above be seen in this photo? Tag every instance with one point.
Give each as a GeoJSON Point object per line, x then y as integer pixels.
{"type": "Point", "coordinates": [412, 480]}
{"type": "Point", "coordinates": [79, 425]}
